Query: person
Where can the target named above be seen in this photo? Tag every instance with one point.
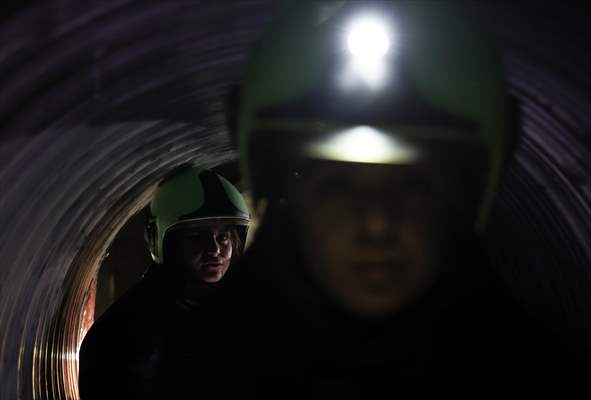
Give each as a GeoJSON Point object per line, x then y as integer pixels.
{"type": "Point", "coordinates": [196, 230]}
{"type": "Point", "coordinates": [374, 136]}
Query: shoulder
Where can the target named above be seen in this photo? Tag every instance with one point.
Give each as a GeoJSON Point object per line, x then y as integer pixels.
{"type": "Point", "coordinates": [509, 338]}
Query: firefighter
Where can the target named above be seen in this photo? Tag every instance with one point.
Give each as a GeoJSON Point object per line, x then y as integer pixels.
{"type": "Point", "coordinates": [374, 136]}
{"type": "Point", "coordinates": [196, 230]}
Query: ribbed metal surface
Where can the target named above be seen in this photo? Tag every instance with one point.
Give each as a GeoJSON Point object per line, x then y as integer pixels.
{"type": "Point", "coordinates": [100, 100]}
{"type": "Point", "coordinates": [98, 103]}
{"type": "Point", "coordinates": [540, 235]}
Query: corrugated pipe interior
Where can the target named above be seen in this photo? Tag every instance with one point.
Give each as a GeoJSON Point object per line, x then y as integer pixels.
{"type": "Point", "coordinates": [100, 100]}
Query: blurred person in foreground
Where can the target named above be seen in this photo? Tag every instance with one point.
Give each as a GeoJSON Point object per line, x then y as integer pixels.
{"type": "Point", "coordinates": [374, 136]}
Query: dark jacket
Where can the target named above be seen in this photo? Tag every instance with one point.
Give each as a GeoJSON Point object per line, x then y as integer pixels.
{"type": "Point", "coordinates": [270, 333]}
{"type": "Point", "coordinates": [131, 350]}
{"type": "Point", "coordinates": [289, 341]}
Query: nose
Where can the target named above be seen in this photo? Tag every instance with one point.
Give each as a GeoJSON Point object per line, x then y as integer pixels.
{"type": "Point", "coordinates": [374, 225]}
{"type": "Point", "coordinates": [212, 247]}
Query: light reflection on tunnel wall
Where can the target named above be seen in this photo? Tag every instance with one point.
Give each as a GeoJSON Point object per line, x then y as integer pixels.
{"type": "Point", "coordinates": [104, 100]}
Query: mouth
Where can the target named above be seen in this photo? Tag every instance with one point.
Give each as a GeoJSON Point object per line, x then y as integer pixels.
{"type": "Point", "coordinates": [375, 272]}
{"type": "Point", "coordinates": [212, 265]}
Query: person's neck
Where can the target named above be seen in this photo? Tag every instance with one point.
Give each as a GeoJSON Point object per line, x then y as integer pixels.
{"type": "Point", "coordinates": [181, 285]}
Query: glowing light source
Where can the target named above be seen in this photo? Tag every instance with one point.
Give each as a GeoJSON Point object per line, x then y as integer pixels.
{"type": "Point", "coordinates": [368, 39]}
{"type": "Point", "coordinates": [364, 144]}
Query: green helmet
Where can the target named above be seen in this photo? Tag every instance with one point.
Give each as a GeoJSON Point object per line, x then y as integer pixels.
{"type": "Point", "coordinates": [193, 197]}
{"type": "Point", "coordinates": [375, 82]}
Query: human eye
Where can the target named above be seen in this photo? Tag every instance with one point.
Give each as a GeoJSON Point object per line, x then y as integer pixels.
{"type": "Point", "coordinates": [332, 186]}
{"type": "Point", "coordinates": [416, 186]}
{"type": "Point", "coordinates": [224, 237]}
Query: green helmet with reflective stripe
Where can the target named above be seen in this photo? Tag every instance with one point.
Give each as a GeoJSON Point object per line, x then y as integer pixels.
{"type": "Point", "coordinates": [193, 197]}
{"type": "Point", "coordinates": [374, 82]}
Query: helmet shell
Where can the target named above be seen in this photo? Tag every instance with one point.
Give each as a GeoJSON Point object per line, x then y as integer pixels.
{"type": "Point", "coordinates": [193, 197]}
{"type": "Point", "coordinates": [444, 83]}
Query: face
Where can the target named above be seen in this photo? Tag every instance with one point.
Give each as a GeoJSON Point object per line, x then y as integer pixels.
{"type": "Point", "coordinates": [205, 253]}
{"type": "Point", "coordinates": [373, 235]}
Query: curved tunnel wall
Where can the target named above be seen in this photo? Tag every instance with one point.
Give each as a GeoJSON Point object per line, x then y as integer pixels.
{"type": "Point", "coordinates": [98, 103]}
{"type": "Point", "coordinates": [539, 235]}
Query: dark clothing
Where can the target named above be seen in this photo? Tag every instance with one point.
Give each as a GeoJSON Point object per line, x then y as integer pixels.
{"type": "Point", "coordinates": [270, 333]}
{"type": "Point", "coordinates": [130, 351]}
{"type": "Point", "coordinates": [287, 340]}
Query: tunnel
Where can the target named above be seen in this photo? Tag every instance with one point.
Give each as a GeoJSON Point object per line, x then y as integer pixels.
{"type": "Point", "coordinates": [100, 100]}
